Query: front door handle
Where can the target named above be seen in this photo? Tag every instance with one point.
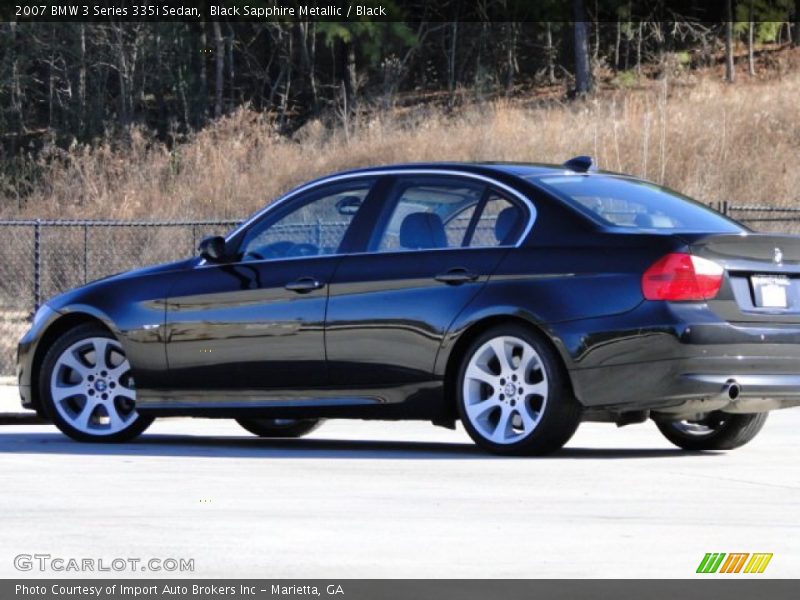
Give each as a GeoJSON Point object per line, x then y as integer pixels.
{"type": "Point", "coordinates": [304, 285]}
{"type": "Point", "coordinates": [456, 276]}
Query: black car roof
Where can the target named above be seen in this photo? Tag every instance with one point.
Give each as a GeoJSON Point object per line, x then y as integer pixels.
{"type": "Point", "coordinates": [518, 169]}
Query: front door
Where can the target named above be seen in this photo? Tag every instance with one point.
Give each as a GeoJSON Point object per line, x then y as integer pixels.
{"type": "Point", "coordinates": [256, 322]}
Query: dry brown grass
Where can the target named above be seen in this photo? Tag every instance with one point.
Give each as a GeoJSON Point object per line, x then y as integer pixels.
{"type": "Point", "coordinates": [711, 140]}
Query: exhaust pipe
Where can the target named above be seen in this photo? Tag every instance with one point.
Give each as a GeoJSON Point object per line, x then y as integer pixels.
{"type": "Point", "coordinates": [731, 389]}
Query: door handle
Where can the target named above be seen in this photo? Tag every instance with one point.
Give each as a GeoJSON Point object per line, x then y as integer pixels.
{"type": "Point", "coordinates": [456, 276]}
{"type": "Point", "coordinates": [304, 285]}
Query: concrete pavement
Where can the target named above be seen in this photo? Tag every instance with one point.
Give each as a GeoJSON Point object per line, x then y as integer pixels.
{"type": "Point", "coordinates": [359, 499]}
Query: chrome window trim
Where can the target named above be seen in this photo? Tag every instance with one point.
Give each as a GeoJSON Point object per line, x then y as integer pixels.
{"type": "Point", "coordinates": [288, 196]}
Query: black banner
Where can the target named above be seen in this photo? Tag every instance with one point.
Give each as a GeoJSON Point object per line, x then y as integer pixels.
{"type": "Point", "coordinates": [376, 10]}
{"type": "Point", "coordinates": [399, 589]}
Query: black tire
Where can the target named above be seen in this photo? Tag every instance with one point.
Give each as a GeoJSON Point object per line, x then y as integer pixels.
{"type": "Point", "coordinates": [280, 428]}
{"type": "Point", "coordinates": [88, 331]}
{"type": "Point", "coordinates": [558, 414]}
{"type": "Point", "coordinates": [725, 431]}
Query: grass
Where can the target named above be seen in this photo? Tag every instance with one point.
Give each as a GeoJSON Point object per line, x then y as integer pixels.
{"type": "Point", "coordinates": [709, 140]}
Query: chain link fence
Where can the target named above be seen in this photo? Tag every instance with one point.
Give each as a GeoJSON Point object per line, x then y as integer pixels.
{"type": "Point", "coordinates": [39, 259]}
{"type": "Point", "coordinates": [42, 258]}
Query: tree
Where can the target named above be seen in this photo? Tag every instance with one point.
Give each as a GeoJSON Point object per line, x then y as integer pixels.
{"type": "Point", "coordinates": [583, 73]}
{"type": "Point", "coordinates": [730, 67]}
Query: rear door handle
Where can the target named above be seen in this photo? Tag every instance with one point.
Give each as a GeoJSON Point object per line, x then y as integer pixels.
{"type": "Point", "coordinates": [456, 276]}
{"type": "Point", "coordinates": [304, 285]}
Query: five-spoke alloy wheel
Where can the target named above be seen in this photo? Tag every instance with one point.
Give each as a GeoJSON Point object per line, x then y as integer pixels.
{"type": "Point", "coordinates": [512, 394]}
{"type": "Point", "coordinates": [88, 389]}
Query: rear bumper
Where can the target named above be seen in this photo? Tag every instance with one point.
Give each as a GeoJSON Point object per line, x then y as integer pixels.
{"type": "Point", "coordinates": [663, 356]}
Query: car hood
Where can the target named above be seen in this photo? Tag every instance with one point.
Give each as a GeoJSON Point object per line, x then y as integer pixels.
{"type": "Point", "coordinates": [75, 294]}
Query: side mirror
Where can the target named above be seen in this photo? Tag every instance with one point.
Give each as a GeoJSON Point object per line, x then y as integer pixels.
{"type": "Point", "coordinates": [213, 248]}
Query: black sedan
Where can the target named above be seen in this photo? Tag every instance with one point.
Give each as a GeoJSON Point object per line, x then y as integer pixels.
{"type": "Point", "coordinates": [518, 298]}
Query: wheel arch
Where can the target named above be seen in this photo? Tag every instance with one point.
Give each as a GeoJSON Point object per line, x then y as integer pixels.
{"type": "Point", "coordinates": [55, 330]}
{"type": "Point", "coordinates": [477, 328]}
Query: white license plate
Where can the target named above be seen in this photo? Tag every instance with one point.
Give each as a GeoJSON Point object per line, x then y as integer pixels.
{"type": "Point", "coordinates": [770, 290]}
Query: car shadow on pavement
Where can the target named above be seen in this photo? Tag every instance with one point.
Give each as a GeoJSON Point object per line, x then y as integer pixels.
{"type": "Point", "coordinates": [248, 447]}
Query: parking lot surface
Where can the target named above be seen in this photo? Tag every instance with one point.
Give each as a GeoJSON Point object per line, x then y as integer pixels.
{"type": "Point", "coordinates": [359, 499]}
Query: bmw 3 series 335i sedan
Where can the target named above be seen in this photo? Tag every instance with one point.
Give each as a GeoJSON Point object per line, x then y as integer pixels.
{"type": "Point", "coordinates": [519, 299]}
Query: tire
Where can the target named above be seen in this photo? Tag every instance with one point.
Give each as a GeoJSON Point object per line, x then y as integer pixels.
{"type": "Point", "coordinates": [718, 431]}
{"type": "Point", "coordinates": [523, 406]}
{"type": "Point", "coordinates": [72, 382]}
{"type": "Point", "coordinates": [280, 428]}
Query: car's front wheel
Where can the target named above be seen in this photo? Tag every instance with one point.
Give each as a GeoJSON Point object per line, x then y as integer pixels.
{"type": "Point", "coordinates": [87, 388]}
{"type": "Point", "coordinates": [513, 395]}
{"type": "Point", "coordinates": [715, 431]}
{"type": "Point", "coordinates": [280, 428]}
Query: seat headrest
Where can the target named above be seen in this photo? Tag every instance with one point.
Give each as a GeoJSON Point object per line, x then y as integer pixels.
{"type": "Point", "coordinates": [421, 230]}
{"type": "Point", "coordinates": [505, 224]}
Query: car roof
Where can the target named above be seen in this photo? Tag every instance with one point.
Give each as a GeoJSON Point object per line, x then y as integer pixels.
{"type": "Point", "coordinates": [518, 169]}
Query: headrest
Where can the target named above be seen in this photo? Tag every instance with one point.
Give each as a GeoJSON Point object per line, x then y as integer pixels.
{"type": "Point", "coordinates": [505, 224]}
{"type": "Point", "coordinates": [421, 230]}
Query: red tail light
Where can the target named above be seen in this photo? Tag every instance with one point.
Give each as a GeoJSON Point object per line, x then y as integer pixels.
{"type": "Point", "coordinates": [679, 276]}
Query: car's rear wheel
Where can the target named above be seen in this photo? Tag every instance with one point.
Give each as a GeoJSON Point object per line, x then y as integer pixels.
{"type": "Point", "coordinates": [87, 387]}
{"type": "Point", "coordinates": [280, 428]}
{"type": "Point", "coordinates": [513, 395]}
{"type": "Point", "coordinates": [715, 431]}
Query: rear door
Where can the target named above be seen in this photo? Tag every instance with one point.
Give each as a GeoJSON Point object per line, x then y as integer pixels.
{"type": "Point", "coordinates": [434, 242]}
{"type": "Point", "coordinates": [762, 282]}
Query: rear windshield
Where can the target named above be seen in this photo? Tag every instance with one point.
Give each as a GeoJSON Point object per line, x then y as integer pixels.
{"type": "Point", "coordinates": [630, 203]}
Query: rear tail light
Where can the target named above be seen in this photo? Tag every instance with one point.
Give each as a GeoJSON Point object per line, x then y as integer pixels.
{"type": "Point", "coordinates": [682, 277]}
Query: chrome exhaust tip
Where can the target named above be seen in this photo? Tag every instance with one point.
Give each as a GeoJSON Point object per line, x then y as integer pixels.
{"type": "Point", "coordinates": [732, 389]}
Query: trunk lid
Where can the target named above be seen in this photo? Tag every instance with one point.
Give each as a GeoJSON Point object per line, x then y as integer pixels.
{"type": "Point", "coordinates": [762, 279]}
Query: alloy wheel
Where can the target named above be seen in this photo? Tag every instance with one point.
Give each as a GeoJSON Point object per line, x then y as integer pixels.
{"type": "Point", "coordinates": [505, 389]}
{"type": "Point", "coordinates": [92, 387]}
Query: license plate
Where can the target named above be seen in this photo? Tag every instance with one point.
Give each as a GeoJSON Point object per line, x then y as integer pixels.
{"type": "Point", "coordinates": [770, 290]}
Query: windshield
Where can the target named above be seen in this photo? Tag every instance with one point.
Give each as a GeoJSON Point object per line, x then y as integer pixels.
{"type": "Point", "coordinates": [622, 202]}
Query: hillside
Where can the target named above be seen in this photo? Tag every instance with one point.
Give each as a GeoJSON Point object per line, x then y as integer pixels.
{"type": "Point", "coordinates": [711, 140]}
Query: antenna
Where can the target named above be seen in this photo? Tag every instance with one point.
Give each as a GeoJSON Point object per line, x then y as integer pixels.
{"type": "Point", "coordinates": [581, 164]}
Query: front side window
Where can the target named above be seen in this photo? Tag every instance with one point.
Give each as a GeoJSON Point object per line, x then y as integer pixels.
{"type": "Point", "coordinates": [634, 204]}
{"type": "Point", "coordinates": [426, 214]}
{"type": "Point", "coordinates": [313, 226]}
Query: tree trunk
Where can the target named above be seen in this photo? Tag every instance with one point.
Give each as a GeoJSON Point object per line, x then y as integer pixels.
{"type": "Point", "coordinates": [583, 74]}
{"type": "Point", "coordinates": [551, 55]}
{"type": "Point", "coordinates": [219, 68]}
{"type": "Point", "coordinates": [751, 66]}
{"type": "Point", "coordinates": [231, 71]}
{"type": "Point", "coordinates": [730, 68]}
{"type": "Point", "coordinates": [349, 74]}
{"type": "Point", "coordinates": [796, 30]}
{"type": "Point", "coordinates": [639, 50]}
{"type": "Point", "coordinates": [82, 80]}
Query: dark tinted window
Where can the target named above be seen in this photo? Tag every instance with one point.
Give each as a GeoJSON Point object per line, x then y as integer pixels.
{"type": "Point", "coordinates": [623, 202]}
{"type": "Point", "coordinates": [426, 213]}
{"type": "Point", "coordinates": [314, 225]}
{"type": "Point", "coordinates": [499, 224]}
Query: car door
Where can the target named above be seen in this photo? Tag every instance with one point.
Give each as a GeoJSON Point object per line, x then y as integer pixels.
{"type": "Point", "coordinates": [434, 242]}
{"type": "Point", "coordinates": [256, 322]}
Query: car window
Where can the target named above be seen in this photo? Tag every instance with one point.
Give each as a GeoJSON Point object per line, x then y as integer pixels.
{"type": "Point", "coordinates": [313, 226]}
{"type": "Point", "coordinates": [635, 204]}
{"type": "Point", "coordinates": [426, 214]}
{"type": "Point", "coordinates": [499, 224]}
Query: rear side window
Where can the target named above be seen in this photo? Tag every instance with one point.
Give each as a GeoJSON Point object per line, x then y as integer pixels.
{"type": "Point", "coordinates": [499, 224]}
{"type": "Point", "coordinates": [426, 214]}
{"type": "Point", "coordinates": [629, 203]}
